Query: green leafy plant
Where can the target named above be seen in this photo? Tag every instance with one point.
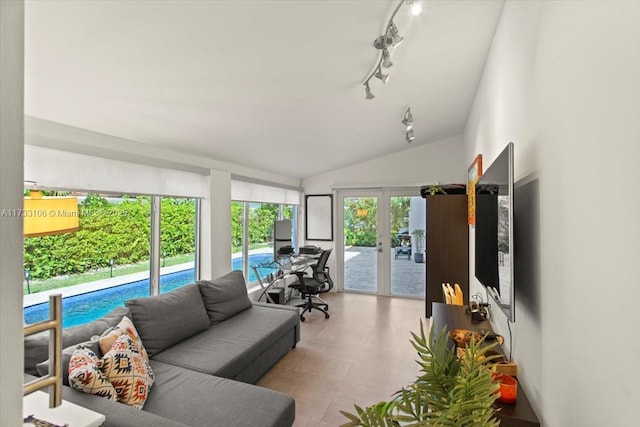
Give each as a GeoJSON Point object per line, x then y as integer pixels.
{"type": "Point", "coordinates": [435, 189]}
{"type": "Point", "coordinates": [111, 230]}
{"type": "Point", "coordinates": [451, 391]}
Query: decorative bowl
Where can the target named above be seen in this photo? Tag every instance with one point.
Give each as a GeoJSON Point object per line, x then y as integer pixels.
{"type": "Point", "coordinates": [462, 337]}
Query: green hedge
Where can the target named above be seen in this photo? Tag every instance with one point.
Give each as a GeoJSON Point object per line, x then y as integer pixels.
{"type": "Point", "coordinates": [111, 230]}
{"type": "Point", "coordinates": [261, 219]}
{"type": "Point", "coordinates": [360, 213]}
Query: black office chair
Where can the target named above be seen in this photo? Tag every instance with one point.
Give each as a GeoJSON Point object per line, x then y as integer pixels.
{"type": "Point", "coordinates": [311, 287]}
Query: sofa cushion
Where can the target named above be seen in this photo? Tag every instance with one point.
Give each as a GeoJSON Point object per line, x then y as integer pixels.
{"type": "Point", "coordinates": [166, 319]}
{"type": "Point", "coordinates": [128, 371]}
{"type": "Point", "coordinates": [36, 346]}
{"type": "Point", "coordinates": [206, 400]}
{"type": "Point", "coordinates": [93, 345]}
{"type": "Point", "coordinates": [225, 349]}
{"type": "Point", "coordinates": [225, 296]}
{"type": "Point", "coordinates": [85, 374]}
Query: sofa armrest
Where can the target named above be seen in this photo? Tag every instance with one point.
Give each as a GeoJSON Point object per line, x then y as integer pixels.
{"type": "Point", "coordinates": [287, 308]}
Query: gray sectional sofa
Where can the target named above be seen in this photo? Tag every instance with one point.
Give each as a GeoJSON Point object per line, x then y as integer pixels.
{"type": "Point", "coordinates": [207, 345]}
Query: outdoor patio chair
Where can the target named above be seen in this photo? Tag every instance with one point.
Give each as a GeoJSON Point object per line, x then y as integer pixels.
{"type": "Point", "coordinates": [404, 248]}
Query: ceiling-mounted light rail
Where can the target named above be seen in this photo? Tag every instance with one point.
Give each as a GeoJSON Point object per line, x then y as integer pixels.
{"type": "Point", "coordinates": [389, 40]}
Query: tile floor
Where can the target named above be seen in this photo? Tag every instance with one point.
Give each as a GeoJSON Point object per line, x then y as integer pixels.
{"type": "Point", "coordinates": [361, 355]}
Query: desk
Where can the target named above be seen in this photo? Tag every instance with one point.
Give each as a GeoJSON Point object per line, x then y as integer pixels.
{"type": "Point", "coordinates": [37, 404]}
{"type": "Point", "coordinates": [279, 271]}
{"type": "Point", "coordinates": [520, 414]}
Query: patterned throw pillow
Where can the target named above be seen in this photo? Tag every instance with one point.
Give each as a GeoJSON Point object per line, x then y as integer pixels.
{"type": "Point", "coordinates": [124, 327]}
{"type": "Point", "coordinates": [85, 374]}
{"type": "Point", "coordinates": [128, 371]}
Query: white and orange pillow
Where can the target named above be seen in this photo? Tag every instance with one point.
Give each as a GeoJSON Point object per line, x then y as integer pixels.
{"type": "Point", "coordinates": [124, 327]}
{"type": "Point", "coordinates": [123, 373]}
{"type": "Point", "coordinates": [128, 371]}
{"type": "Point", "coordinates": [85, 374]}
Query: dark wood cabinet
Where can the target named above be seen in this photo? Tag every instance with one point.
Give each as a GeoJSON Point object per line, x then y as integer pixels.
{"type": "Point", "coordinates": [447, 246]}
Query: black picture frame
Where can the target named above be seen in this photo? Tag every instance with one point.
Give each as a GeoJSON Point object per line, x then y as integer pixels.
{"type": "Point", "coordinates": [318, 218]}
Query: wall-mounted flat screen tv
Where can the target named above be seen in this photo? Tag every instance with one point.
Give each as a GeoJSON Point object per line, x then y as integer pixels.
{"type": "Point", "coordinates": [494, 232]}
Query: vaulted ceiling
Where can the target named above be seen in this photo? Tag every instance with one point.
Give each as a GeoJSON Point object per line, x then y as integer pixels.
{"type": "Point", "coordinates": [274, 85]}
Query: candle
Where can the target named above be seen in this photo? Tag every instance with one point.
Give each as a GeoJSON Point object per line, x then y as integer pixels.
{"type": "Point", "coordinates": [508, 388]}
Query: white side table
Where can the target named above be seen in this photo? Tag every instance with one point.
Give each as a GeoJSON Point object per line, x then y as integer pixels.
{"type": "Point", "coordinates": [37, 404]}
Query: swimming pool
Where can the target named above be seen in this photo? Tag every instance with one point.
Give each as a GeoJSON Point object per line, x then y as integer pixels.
{"type": "Point", "coordinates": [83, 308]}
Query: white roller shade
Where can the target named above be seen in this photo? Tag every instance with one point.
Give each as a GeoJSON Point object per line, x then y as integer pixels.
{"type": "Point", "coordinates": [252, 192]}
{"type": "Point", "coordinates": [58, 169]}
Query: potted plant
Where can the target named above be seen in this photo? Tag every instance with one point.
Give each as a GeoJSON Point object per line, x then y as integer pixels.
{"type": "Point", "coordinates": [418, 255]}
{"type": "Point", "coordinates": [434, 189]}
{"type": "Point", "coordinates": [451, 391]}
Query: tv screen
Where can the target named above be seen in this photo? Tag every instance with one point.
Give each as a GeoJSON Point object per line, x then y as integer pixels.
{"type": "Point", "coordinates": [494, 232]}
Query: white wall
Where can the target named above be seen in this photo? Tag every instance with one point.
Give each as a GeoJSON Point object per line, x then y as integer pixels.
{"type": "Point", "coordinates": [562, 82]}
{"type": "Point", "coordinates": [435, 162]}
{"type": "Point", "coordinates": [11, 140]}
{"type": "Point", "coordinates": [215, 243]}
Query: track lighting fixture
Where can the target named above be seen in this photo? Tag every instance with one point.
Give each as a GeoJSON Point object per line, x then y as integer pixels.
{"type": "Point", "coordinates": [386, 58]}
{"type": "Point", "coordinates": [383, 42]}
{"type": "Point", "coordinates": [415, 7]}
{"type": "Point", "coordinates": [395, 36]}
{"type": "Point", "coordinates": [370, 95]}
{"type": "Point", "coordinates": [409, 136]}
{"type": "Point", "coordinates": [390, 39]}
{"type": "Point", "coordinates": [407, 120]}
{"type": "Point", "coordinates": [382, 77]}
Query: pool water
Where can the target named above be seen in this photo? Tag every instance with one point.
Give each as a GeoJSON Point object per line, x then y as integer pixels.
{"type": "Point", "coordinates": [83, 308]}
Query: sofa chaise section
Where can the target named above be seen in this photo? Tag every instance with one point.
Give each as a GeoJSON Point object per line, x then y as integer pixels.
{"type": "Point", "coordinates": [243, 347]}
{"type": "Point", "coordinates": [214, 401]}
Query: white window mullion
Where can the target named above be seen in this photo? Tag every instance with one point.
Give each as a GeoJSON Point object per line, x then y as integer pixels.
{"type": "Point", "coordinates": [154, 247]}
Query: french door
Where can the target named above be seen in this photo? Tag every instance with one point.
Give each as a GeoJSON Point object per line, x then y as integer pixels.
{"type": "Point", "coordinates": [377, 244]}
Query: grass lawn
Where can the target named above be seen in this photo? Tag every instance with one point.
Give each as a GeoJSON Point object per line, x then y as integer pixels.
{"type": "Point", "coordinates": [104, 273]}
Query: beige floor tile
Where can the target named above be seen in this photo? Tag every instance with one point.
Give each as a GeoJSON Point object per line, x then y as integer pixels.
{"type": "Point", "coordinates": [361, 355]}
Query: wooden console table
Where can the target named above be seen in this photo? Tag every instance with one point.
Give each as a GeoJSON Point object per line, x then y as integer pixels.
{"type": "Point", "coordinates": [520, 414]}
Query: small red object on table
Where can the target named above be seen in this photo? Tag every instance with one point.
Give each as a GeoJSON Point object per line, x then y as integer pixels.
{"type": "Point", "coordinates": [508, 388]}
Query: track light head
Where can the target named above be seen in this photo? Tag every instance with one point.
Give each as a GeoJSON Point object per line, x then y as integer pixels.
{"type": "Point", "coordinates": [407, 118]}
{"type": "Point", "coordinates": [393, 32]}
{"type": "Point", "coordinates": [415, 7]}
{"type": "Point", "coordinates": [367, 89]}
{"type": "Point", "coordinates": [386, 58]}
{"type": "Point", "coordinates": [409, 136]}
{"type": "Point", "coordinates": [383, 42]}
{"type": "Point", "coordinates": [383, 77]}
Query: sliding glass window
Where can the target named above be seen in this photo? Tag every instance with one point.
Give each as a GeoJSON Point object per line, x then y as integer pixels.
{"type": "Point", "coordinates": [107, 260]}
{"type": "Point", "coordinates": [178, 236]}
{"type": "Point", "coordinates": [252, 226]}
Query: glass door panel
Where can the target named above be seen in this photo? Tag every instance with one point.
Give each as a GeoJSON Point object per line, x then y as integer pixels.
{"type": "Point", "coordinates": [406, 216]}
{"type": "Point", "coordinates": [361, 243]}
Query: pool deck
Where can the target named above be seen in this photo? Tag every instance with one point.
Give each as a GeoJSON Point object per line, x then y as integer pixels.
{"type": "Point", "coordinates": [41, 297]}
{"type": "Point", "coordinates": [407, 277]}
